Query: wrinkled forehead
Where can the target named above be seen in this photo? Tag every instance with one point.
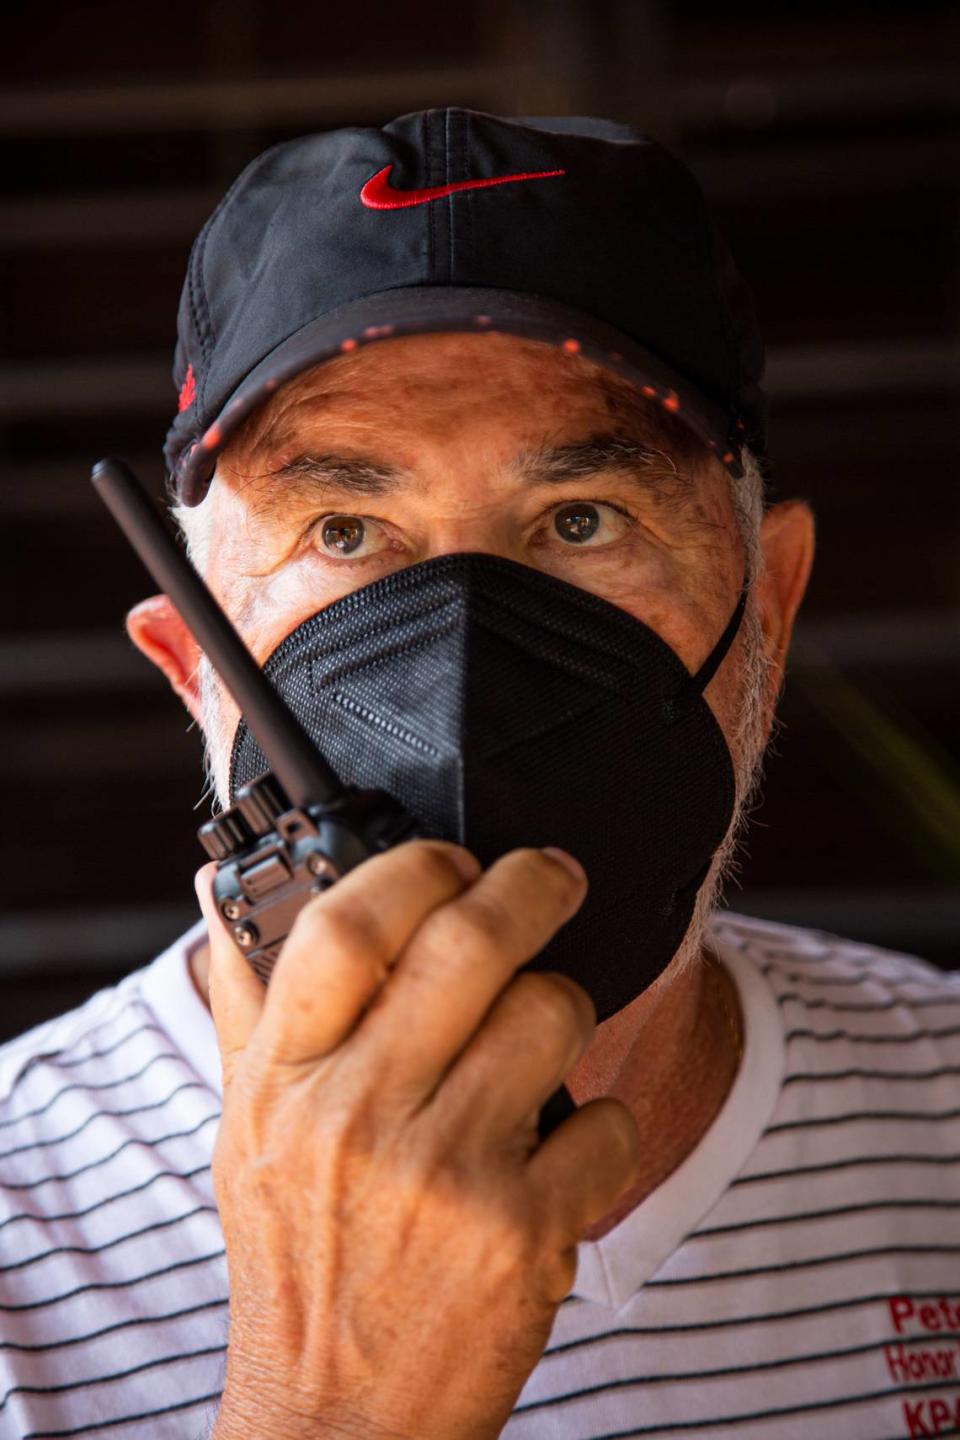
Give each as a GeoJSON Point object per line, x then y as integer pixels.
{"type": "Point", "coordinates": [414, 383]}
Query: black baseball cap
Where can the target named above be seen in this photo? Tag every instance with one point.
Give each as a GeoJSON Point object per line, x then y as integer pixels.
{"type": "Point", "coordinates": [579, 232]}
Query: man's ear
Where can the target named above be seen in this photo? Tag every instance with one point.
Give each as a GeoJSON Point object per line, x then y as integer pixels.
{"type": "Point", "coordinates": [787, 542]}
{"type": "Point", "coordinates": [157, 630]}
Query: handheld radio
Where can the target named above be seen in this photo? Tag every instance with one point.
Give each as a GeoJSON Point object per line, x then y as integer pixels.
{"type": "Point", "coordinates": [296, 830]}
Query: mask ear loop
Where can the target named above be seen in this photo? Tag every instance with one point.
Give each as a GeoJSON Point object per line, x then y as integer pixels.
{"type": "Point", "coordinates": [694, 686]}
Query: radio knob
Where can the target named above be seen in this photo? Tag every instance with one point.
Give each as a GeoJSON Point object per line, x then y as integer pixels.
{"type": "Point", "coordinates": [261, 803]}
{"type": "Point", "coordinates": [225, 835]}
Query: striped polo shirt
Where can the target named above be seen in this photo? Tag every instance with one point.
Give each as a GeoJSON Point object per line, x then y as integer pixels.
{"type": "Point", "coordinates": [798, 1275]}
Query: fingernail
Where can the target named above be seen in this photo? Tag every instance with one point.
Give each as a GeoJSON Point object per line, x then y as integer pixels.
{"type": "Point", "coordinates": [201, 884]}
{"type": "Point", "coordinates": [567, 861]}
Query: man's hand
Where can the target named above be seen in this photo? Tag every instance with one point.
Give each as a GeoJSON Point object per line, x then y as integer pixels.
{"type": "Point", "coordinates": [398, 1240]}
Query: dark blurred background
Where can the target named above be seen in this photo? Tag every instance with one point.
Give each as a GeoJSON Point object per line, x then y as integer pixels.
{"type": "Point", "coordinates": [826, 138]}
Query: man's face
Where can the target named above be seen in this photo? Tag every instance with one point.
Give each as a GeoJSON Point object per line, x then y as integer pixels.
{"type": "Point", "coordinates": [422, 446]}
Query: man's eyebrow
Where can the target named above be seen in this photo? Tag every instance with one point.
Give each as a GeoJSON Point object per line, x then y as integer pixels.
{"type": "Point", "coordinates": [614, 450]}
{"type": "Point", "coordinates": [546, 465]}
{"type": "Point", "coordinates": [327, 471]}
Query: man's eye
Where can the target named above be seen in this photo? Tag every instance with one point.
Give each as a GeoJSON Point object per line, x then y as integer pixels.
{"type": "Point", "coordinates": [581, 523]}
{"type": "Point", "coordinates": [343, 534]}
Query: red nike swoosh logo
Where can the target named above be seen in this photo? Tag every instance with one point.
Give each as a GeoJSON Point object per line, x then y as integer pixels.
{"type": "Point", "coordinates": [379, 194]}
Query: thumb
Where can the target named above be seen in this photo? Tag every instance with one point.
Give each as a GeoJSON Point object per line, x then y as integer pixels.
{"type": "Point", "coordinates": [236, 994]}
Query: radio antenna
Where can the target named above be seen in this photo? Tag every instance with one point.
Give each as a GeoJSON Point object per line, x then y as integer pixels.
{"type": "Point", "coordinates": [294, 759]}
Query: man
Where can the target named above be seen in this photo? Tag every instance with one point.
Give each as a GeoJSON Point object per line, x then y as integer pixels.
{"type": "Point", "coordinates": [511, 564]}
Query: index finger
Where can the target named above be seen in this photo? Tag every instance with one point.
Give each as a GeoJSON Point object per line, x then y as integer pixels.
{"type": "Point", "coordinates": [344, 943]}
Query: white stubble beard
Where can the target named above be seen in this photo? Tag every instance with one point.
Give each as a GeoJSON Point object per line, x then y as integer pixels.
{"type": "Point", "coordinates": [217, 731]}
{"type": "Point", "coordinates": [748, 745]}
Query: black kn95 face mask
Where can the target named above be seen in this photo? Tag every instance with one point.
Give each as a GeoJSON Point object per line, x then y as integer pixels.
{"type": "Point", "coordinates": [503, 708]}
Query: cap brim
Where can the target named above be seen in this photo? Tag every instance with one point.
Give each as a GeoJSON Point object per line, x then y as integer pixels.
{"type": "Point", "coordinates": [425, 310]}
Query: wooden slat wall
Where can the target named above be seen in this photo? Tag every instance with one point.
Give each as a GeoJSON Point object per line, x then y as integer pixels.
{"type": "Point", "coordinates": [828, 144]}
